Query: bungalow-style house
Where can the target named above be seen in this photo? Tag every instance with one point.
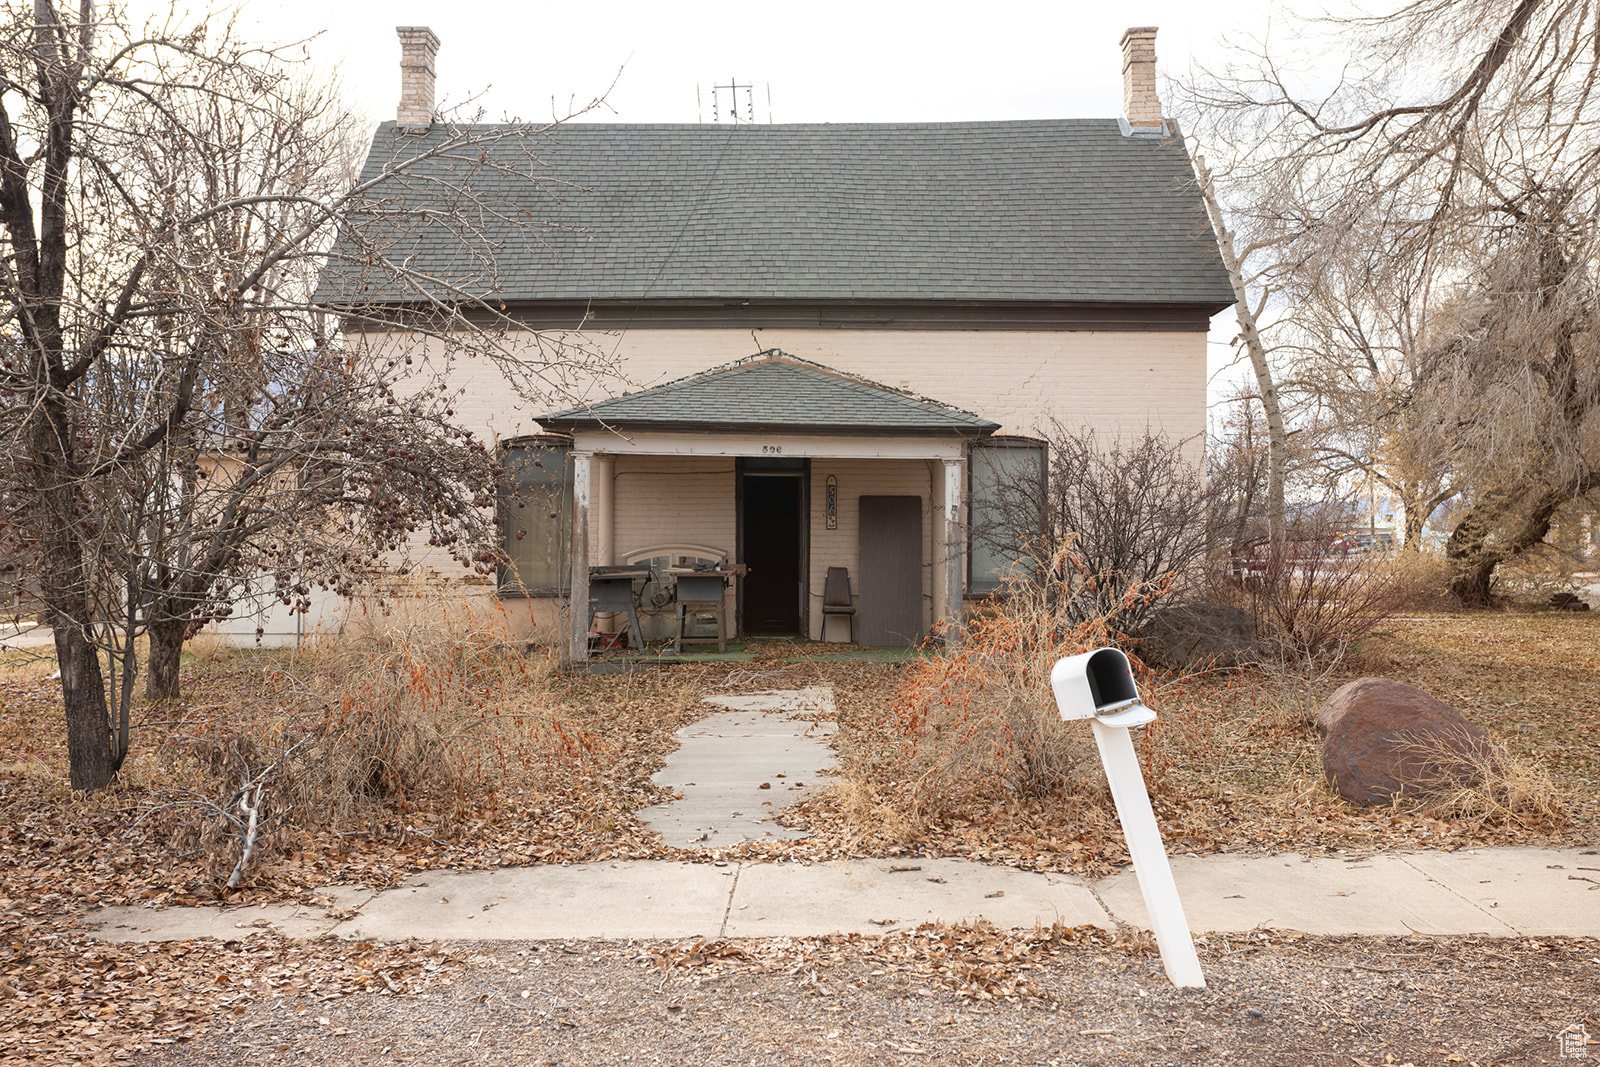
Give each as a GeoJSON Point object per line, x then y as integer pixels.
{"type": "Point", "coordinates": [825, 343]}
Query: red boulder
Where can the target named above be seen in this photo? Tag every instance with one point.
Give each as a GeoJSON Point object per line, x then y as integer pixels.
{"type": "Point", "coordinates": [1382, 739]}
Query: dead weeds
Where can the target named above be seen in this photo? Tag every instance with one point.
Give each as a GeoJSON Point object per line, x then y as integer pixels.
{"type": "Point", "coordinates": [1228, 768]}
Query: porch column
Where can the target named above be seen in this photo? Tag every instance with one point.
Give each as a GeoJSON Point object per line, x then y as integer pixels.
{"type": "Point", "coordinates": [580, 555]}
{"type": "Point", "coordinates": [602, 512]}
{"type": "Point", "coordinates": [955, 569]}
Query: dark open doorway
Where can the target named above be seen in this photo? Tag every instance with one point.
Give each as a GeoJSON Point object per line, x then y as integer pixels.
{"type": "Point", "coordinates": [772, 543]}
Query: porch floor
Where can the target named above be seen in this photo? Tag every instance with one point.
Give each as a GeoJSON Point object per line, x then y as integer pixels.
{"type": "Point", "coordinates": [767, 649]}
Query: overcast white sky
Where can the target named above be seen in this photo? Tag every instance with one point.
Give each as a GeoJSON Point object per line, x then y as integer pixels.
{"type": "Point", "coordinates": [822, 61]}
{"type": "Point", "coordinates": [825, 60]}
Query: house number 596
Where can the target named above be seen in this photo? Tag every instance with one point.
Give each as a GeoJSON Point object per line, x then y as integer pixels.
{"type": "Point", "coordinates": [771, 450]}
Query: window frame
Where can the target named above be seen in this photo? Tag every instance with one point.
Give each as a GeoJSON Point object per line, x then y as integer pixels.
{"type": "Point", "coordinates": [1036, 445]}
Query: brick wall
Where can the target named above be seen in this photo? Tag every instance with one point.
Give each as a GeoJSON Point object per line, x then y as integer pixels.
{"type": "Point", "coordinates": [672, 500]}
{"type": "Point", "coordinates": [841, 547]}
{"type": "Point", "coordinates": [1141, 106]}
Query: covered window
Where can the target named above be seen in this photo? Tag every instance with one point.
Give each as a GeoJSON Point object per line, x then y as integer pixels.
{"type": "Point", "coordinates": [1006, 484]}
{"type": "Point", "coordinates": [536, 516]}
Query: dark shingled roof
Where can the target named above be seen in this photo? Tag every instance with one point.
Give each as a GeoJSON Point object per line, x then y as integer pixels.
{"type": "Point", "coordinates": [773, 391]}
{"type": "Point", "coordinates": [1055, 211]}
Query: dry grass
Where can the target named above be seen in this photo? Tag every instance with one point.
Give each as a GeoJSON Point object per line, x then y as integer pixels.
{"type": "Point", "coordinates": [1233, 765]}
{"type": "Point", "coordinates": [1460, 778]}
{"type": "Point", "coordinates": [490, 781]}
{"type": "Point", "coordinates": [209, 646]}
{"type": "Point", "coordinates": [431, 706]}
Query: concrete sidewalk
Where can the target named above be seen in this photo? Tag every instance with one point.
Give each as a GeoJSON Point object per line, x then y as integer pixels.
{"type": "Point", "coordinates": [1513, 892]}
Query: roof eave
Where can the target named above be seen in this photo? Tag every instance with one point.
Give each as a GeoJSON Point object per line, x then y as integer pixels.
{"type": "Point", "coordinates": [982, 428]}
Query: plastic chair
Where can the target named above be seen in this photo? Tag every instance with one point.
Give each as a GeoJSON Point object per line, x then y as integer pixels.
{"type": "Point", "coordinates": [836, 600]}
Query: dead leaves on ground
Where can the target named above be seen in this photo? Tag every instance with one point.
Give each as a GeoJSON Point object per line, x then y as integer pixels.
{"type": "Point", "coordinates": [67, 997]}
{"type": "Point", "coordinates": [973, 960]}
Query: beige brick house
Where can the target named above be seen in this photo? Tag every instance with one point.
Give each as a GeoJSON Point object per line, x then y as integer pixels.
{"type": "Point", "coordinates": [822, 342]}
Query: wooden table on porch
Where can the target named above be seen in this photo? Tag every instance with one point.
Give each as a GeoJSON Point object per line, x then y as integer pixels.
{"type": "Point", "coordinates": [702, 591]}
{"type": "Point", "coordinates": [611, 591]}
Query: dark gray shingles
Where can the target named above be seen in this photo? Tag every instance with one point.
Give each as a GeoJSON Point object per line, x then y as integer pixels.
{"type": "Point", "coordinates": [774, 391]}
{"type": "Point", "coordinates": [1066, 210]}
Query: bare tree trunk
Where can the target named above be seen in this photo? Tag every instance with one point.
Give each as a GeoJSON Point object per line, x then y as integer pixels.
{"type": "Point", "coordinates": [1416, 519]}
{"type": "Point", "coordinates": [166, 648]}
{"type": "Point", "coordinates": [64, 583]}
{"type": "Point", "coordinates": [1475, 558]}
{"type": "Point", "coordinates": [83, 694]}
{"type": "Point", "coordinates": [1473, 565]}
{"type": "Point", "coordinates": [1277, 437]}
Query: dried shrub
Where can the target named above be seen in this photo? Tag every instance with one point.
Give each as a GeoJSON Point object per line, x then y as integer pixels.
{"type": "Point", "coordinates": [1421, 580]}
{"type": "Point", "coordinates": [426, 699]}
{"type": "Point", "coordinates": [872, 818]}
{"type": "Point", "coordinates": [981, 719]}
{"type": "Point", "coordinates": [1484, 784]}
{"type": "Point", "coordinates": [1126, 515]}
{"type": "Point", "coordinates": [1312, 601]}
{"type": "Point", "coordinates": [430, 703]}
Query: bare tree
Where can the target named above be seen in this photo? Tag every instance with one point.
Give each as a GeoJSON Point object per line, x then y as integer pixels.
{"type": "Point", "coordinates": [180, 417]}
{"type": "Point", "coordinates": [1453, 139]}
{"type": "Point", "coordinates": [1368, 378]}
{"type": "Point", "coordinates": [1249, 338]}
{"type": "Point", "coordinates": [1128, 516]}
{"type": "Point", "coordinates": [1520, 352]}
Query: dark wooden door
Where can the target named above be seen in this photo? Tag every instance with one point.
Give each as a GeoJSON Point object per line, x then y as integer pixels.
{"type": "Point", "coordinates": [771, 527]}
{"type": "Point", "coordinates": [891, 570]}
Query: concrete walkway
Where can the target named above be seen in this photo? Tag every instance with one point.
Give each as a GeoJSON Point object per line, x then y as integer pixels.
{"type": "Point", "coordinates": [734, 771]}
{"type": "Point", "coordinates": [26, 635]}
{"type": "Point", "coordinates": [738, 767]}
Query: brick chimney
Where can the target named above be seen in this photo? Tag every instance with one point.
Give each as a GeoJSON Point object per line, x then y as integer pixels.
{"type": "Point", "coordinates": [1141, 107]}
{"type": "Point", "coordinates": [418, 46]}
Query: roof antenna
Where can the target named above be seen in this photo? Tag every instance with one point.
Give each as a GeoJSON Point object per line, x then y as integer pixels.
{"type": "Point", "coordinates": [734, 101]}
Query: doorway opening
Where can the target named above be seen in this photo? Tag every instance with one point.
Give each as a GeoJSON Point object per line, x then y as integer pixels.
{"type": "Point", "coordinates": [772, 500]}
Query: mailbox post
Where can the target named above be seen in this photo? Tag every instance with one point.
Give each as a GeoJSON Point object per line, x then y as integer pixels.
{"type": "Point", "coordinates": [1099, 686]}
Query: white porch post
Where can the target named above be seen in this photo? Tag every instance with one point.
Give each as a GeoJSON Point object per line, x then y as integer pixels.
{"type": "Point", "coordinates": [581, 492]}
{"type": "Point", "coordinates": [602, 510]}
{"type": "Point", "coordinates": [955, 568]}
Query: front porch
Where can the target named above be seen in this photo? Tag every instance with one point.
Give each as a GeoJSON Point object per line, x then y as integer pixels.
{"type": "Point", "coordinates": [786, 470]}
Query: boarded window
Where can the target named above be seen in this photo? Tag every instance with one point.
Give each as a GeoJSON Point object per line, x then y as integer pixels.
{"type": "Point", "coordinates": [1006, 479]}
{"type": "Point", "coordinates": [536, 516]}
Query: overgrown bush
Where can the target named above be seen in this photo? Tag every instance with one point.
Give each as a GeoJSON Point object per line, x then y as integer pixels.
{"type": "Point", "coordinates": [981, 719]}
{"type": "Point", "coordinates": [1118, 518]}
{"type": "Point", "coordinates": [1312, 601]}
{"type": "Point", "coordinates": [427, 704]}
{"type": "Point", "coordinates": [1421, 580]}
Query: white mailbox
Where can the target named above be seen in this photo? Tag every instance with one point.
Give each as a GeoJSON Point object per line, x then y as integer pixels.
{"type": "Point", "coordinates": [1099, 686]}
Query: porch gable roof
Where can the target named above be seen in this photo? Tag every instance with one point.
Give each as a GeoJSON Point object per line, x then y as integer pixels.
{"type": "Point", "coordinates": [775, 392]}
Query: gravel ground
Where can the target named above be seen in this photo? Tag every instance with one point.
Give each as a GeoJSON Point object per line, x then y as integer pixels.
{"type": "Point", "coordinates": [1272, 999]}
